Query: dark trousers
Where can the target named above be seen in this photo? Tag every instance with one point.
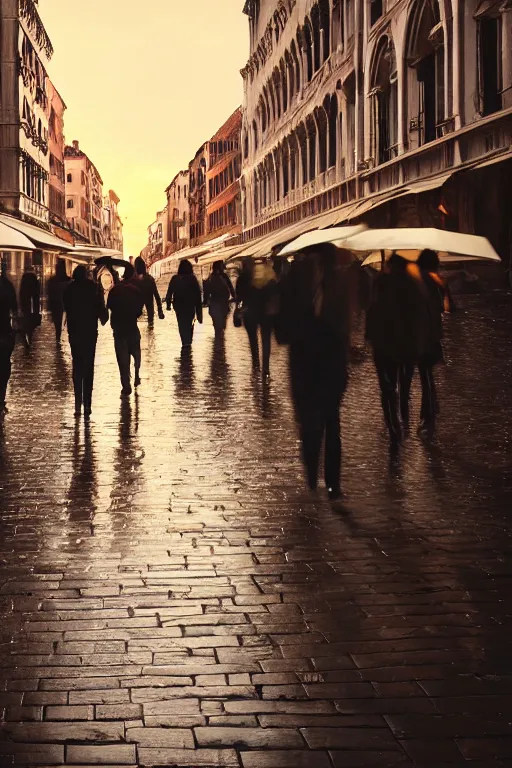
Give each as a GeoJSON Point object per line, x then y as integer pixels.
{"type": "Point", "coordinates": [57, 318]}
{"type": "Point", "coordinates": [150, 311]}
{"type": "Point", "coordinates": [429, 402]}
{"type": "Point", "coordinates": [265, 324]}
{"type": "Point", "coordinates": [186, 327]}
{"type": "Point", "coordinates": [219, 314]}
{"type": "Point", "coordinates": [395, 379]}
{"type": "Point", "coordinates": [127, 345]}
{"type": "Point", "coordinates": [318, 387]}
{"type": "Point", "coordinates": [6, 349]}
{"type": "Point", "coordinates": [83, 352]}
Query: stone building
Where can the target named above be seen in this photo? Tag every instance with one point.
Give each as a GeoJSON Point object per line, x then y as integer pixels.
{"type": "Point", "coordinates": [223, 209]}
{"type": "Point", "coordinates": [57, 192]}
{"type": "Point", "coordinates": [178, 224]}
{"type": "Point", "coordinates": [24, 153]}
{"type": "Point", "coordinates": [84, 195]}
{"type": "Point", "coordinates": [397, 111]}
{"type": "Point", "coordinates": [197, 169]}
{"type": "Point", "coordinates": [112, 224]}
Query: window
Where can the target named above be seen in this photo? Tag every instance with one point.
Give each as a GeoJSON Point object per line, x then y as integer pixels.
{"type": "Point", "coordinates": [83, 179]}
{"type": "Point", "coordinates": [384, 127]}
{"type": "Point", "coordinates": [69, 178]}
{"type": "Point", "coordinates": [185, 191]}
{"type": "Point", "coordinates": [70, 204]}
{"type": "Point", "coordinates": [490, 49]}
{"type": "Point", "coordinates": [376, 11]}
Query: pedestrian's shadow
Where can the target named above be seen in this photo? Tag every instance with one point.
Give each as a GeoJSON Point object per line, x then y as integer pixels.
{"type": "Point", "coordinates": [184, 380]}
{"type": "Point", "coordinates": [61, 378]}
{"type": "Point", "coordinates": [220, 375]}
{"type": "Point", "coordinates": [83, 487]}
{"type": "Point", "coordinates": [262, 394]}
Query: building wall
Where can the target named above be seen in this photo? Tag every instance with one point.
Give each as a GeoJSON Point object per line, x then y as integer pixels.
{"type": "Point", "coordinates": [223, 210]}
{"type": "Point", "coordinates": [84, 194]}
{"type": "Point", "coordinates": [346, 98]}
{"type": "Point", "coordinates": [198, 169]}
{"type": "Point", "coordinates": [178, 213]}
{"type": "Point", "coordinates": [57, 192]}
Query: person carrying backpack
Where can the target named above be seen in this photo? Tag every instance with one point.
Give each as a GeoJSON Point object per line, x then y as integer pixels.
{"type": "Point", "coordinates": [218, 291]}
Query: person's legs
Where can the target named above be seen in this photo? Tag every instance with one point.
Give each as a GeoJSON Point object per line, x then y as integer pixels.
{"type": "Point", "coordinates": [135, 352]}
{"type": "Point", "coordinates": [406, 373]}
{"type": "Point", "coordinates": [308, 412]}
{"type": "Point", "coordinates": [185, 326]}
{"type": "Point", "coordinates": [219, 317]}
{"type": "Point", "coordinates": [429, 404]}
{"type": "Point", "coordinates": [57, 317]}
{"type": "Point", "coordinates": [6, 349]}
{"type": "Point", "coordinates": [88, 373]}
{"type": "Point", "coordinates": [123, 360]}
{"type": "Point", "coordinates": [78, 356]}
{"type": "Point", "coordinates": [266, 343]}
{"type": "Point", "coordinates": [387, 372]}
{"type": "Point", "coordinates": [251, 326]}
{"type": "Point", "coordinates": [150, 311]}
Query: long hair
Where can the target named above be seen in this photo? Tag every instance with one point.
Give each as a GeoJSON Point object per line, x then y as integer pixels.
{"type": "Point", "coordinates": [140, 266]}
{"type": "Point", "coordinates": [185, 268]}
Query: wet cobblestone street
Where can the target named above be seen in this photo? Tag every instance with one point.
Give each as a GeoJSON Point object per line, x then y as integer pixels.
{"type": "Point", "coordinates": [171, 595]}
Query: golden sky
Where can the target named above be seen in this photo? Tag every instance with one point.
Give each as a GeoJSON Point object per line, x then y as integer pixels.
{"type": "Point", "coordinates": [145, 84]}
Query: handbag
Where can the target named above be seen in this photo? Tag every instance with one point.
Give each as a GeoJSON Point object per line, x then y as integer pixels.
{"type": "Point", "coordinates": [238, 316]}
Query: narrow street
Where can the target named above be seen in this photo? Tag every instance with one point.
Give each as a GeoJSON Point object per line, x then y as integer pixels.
{"type": "Point", "coordinates": [172, 595]}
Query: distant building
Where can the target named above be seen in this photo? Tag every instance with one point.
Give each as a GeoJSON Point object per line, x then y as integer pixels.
{"type": "Point", "coordinates": [157, 238]}
{"type": "Point", "coordinates": [57, 198]}
{"type": "Point", "coordinates": [84, 198]}
{"type": "Point", "coordinates": [112, 224]}
{"type": "Point", "coordinates": [178, 219]}
{"type": "Point", "coordinates": [25, 50]}
{"type": "Point", "coordinates": [198, 168]}
{"type": "Point", "coordinates": [223, 208]}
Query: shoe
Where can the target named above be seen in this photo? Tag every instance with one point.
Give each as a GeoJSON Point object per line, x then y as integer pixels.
{"type": "Point", "coordinates": [266, 378]}
{"type": "Point", "coordinates": [126, 391]}
{"type": "Point", "coordinates": [87, 413]}
{"type": "Point", "coordinates": [137, 381]}
{"type": "Point", "coordinates": [334, 494]}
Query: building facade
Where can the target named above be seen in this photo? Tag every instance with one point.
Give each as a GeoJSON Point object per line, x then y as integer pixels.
{"type": "Point", "coordinates": [178, 219]}
{"type": "Point", "coordinates": [24, 152]}
{"type": "Point", "coordinates": [197, 169]}
{"type": "Point", "coordinates": [223, 209]}
{"type": "Point", "coordinates": [397, 109]}
{"type": "Point", "coordinates": [84, 195]}
{"type": "Point", "coordinates": [57, 191]}
{"type": "Point", "coordinates": [112, 224]}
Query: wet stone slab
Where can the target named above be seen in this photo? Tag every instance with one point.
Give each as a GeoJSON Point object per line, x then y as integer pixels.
{"type": "Point", "coordinates": [170, 594]}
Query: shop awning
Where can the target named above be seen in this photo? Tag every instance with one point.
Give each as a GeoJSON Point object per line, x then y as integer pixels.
{"type": "Point", "coordinates": [493, 161]}
{"type": "Point", "coordinates": [12, 240]}
{"type": "Point", "coordinates": [39, 237]}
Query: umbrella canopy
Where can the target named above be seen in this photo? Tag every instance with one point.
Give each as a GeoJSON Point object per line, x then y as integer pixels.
{"type": "Point", "coordinates": [451, 246]}
{"type": "Point", "coordinates": [12, 240]}
{"type": "Point", "coordinates": [336, 235]}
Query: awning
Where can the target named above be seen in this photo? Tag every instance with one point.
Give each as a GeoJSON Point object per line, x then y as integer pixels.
{"type": "Point", "coordinates": [94, 252]}
{"type": "Point", "coordinates": [39, 237]}
{"type": "Point", "coordinates": [493, 161]}
{"type": "Point", "coordinates": [12, 240]}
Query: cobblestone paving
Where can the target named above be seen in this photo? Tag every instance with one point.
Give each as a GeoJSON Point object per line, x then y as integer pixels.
{"type": "Point", "coordinates": [171, 595]}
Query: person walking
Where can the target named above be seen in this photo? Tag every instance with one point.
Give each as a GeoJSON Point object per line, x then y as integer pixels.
{"type": "Point", "coordinates": [55, 288]}
{"type": "Point", "coordinates": [439, 300]}
{"type": "Point", "coordinates": [218, 291]}
{"type": "Point", "coordinates": [8, 310]}
{"type": "Point", "coordinates": [126, 303]}
{"type": "Point", "coordinates": [395, 327]}
{"type": "Point", "coordinates": [257, 294]}
{"type": "Point", "coordinates": [149, 290]}
{"type": "Point", "coordinates": [316, 306]}
{"type": "Point", "coordinates": [30, 304]}
{"type": "Point", "coordinates": [84, 306]}
{"type": "Point", "coordinates": [184, 294]}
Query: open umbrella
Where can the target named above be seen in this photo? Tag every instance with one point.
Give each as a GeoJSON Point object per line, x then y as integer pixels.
{"type": "Point", "coordinates": [12, 240]}
{"type": "Point", "coordinates": [336, 235]}
{"type": "Point", "coordinates": [408, 242]}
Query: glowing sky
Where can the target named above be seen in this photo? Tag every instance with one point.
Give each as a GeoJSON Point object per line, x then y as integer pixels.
{"type": "Point", "coordinates": [145, 84]}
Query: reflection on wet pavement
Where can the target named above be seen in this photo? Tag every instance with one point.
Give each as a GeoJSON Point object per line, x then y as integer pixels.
{"type": "Point", "coordinates": [172, 595]}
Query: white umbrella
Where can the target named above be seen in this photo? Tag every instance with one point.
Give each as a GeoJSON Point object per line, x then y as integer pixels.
{"type": "Point", "coordinates": [336, 235]}
{"type": "Point", "coordinates": [451, 246]}
{"type": "Point", "coordinates": [12, 240]}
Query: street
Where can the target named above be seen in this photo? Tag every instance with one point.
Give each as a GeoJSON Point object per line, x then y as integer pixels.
{"type": "Point", "coordinates": [171, 593]}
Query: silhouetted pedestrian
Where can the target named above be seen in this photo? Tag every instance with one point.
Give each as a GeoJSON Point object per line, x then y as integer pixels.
{"type": "Point", "coordinates": [184, 293]}
{"type": "Point", "coordinates": [8, 310]}
{"type": "Point", "coordinates": [149, 290]}
{"type": "Point", "coordinates": [439, 300]}
{"type": "Point", "coordinates": [126, 303]}
{"type": "Point", "coordinates": [84, 306]}
{"type": "Point", "coordinates": [316, 305]}
{"type": "Point", "coordinates": [218, 291]}
{"type": "Point", "coordinates": [257, 293]}
{"type": "Point", "coordinates": [30, 304]}
{"type": "Point", "coordinates": [395, 327]}
{"type": "Point", "coordinates": [55, 288]}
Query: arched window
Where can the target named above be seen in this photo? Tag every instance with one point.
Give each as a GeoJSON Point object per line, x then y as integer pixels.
{"type": "Point", "coordinates": [290, 75]}
{"type": "Point", "coordinates": [375, 11]}
{"type": "Point", "coordinates": [325, 27]}
{"type": "Point", "coordinates": [311, 131]}
{"type": "Point", "coordinates": [425, 57]}
{"type": "Point", "coordinates": [317, 45]}
{"type": "Point", "coordinates": [384, 119]}
{"type": "Point", "coordinates": [490, 50]}
{"type": "Point", "coordinates": [284, 85]}
{"type": "Point", "coordinates": [331, 109]}
{"type": "Point", "coordinates": [308, 49]}
{"type": "Point", "coordinates": [272, 99]}
{"type": "Point", "coordinates": [285, 159]}
{"type": "Point", "coordinates": [255, 134]}
{"type": "Point", "coordinates": [294, 153]}
{"type": "Point", "coordinates": [296, 65]}
{"type": "Point", "coordinates": [267, 105]}
{"type": "Point", "coordinates": [338, 25]}
{"type": "Point", "coordinates": [276, 164]}
{"type": "Point", "coordinates": [302, 144]}
{"type": "Point", "coordinates": [255, 195]}
{"type": "Point", "coordinates": [321, 124]}
{"type": "Point", "coordinates": [276, 77]}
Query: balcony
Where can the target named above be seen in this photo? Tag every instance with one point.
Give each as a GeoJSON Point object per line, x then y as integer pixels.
{"type": "Point", "coordinates": [34, 209]}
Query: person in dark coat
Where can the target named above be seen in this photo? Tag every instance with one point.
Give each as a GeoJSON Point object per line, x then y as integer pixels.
{"type": "Point", "coordinates": [149, 290]}
{"type": "Point", "coordinates": [8, 310]}
{"type": "Point", "coordinates": [184, 293]}
{"type": "Point", "coordinates": [257, 293]}
{"type": "Point", "coordinates": [395, 327]}
{"type": "Point", "coordinates": [315, 312]}
{"type": "Point", "coordinates": [126, 304]}
{"type": "Point", "coordinates": [30, 304]}
{"type": "Point", "coordinates": [439, 300]}
{"type": "Point", "coordinates": [55, 288]}
{"type": "Point", "coordinates": [218, 292]}
{"type": "Point", "coordinates": [84, 306]}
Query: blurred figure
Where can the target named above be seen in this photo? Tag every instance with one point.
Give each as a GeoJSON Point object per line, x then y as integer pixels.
{"type": "Point", "coordinates": [395, 327]}
{"type": "Point", "coordinates": [84, 306]}
{"type": "Point", "coordinates": [258, 294]}
{"type": "Point", "coordinates": [316, 301]}
{"type": "Point", "coordinates": [30, 304]}
{"type": "Point", "coordinates": [8, 310]}
{"type": "Point", "coordinates": [184, 293]}
{"type": "Point", "coordinates": [126, 303]}
{"type": "Point", "coordinates": [55, 288]}
{"type": "Point", "coordinates": [439, 300]}
{"type": "Point", "coordinates": [218, 291]}
{"type": "Point", "coordinates": [149, 290]}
